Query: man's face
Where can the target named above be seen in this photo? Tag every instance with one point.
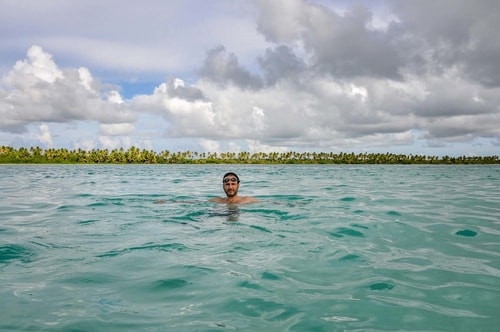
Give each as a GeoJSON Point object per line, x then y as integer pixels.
{"type": "Point", "coordinates": [230, 185]}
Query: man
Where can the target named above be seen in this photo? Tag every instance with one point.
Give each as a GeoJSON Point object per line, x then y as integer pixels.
{"type": "Point", "coordinates": [231, 184]}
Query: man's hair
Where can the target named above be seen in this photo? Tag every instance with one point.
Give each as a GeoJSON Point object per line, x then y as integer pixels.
{"type": "Point", "coordinates": [231, 173]}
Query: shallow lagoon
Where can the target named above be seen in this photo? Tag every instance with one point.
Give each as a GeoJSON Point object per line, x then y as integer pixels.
{"type": "Point", "coordinates": [329, 248]}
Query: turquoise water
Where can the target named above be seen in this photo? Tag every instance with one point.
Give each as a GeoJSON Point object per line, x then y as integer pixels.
{"type": "Point", "coordinates": [328, 248]}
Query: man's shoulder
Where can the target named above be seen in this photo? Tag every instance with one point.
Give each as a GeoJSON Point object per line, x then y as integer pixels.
{"type": "Point", "coordinates": [248, 199]}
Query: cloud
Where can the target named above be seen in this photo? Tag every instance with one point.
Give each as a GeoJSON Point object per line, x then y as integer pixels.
{"type": "Point", "coordinates": [301, 110]}
{"type": "Point", "coordinates": [177, 89]}
{"type": "Point", "coordinates": [455, 33]}
{"type": "Point", "coordinates": [117, 129]}
{"type": "Point", "coordinates": [184, 108]}
{"type": "Point", "coordinates": [209, 145]}
{"type": "Point", "coordinates": [420, 37]}
{"type": "Point", "coordinates": [45, 135]}
{"type": "Point", "coordinates": [280, 63]}
{"type": "Point", "coordinates": [37, 90]}
{"type": "Point", "coordinates": [256, 147]}
{"type": "Point", "coordinates": [224, 70]}
{"type": "Point", "coordinates": [280, 22]}
{"type": "Point", "coordinates": [339, 44]}
{"type": "Point", "coordinates": [38, 67]}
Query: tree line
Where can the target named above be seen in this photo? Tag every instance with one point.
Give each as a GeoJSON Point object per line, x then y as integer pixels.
{"type": "Point", "coordinates": [134, 155]}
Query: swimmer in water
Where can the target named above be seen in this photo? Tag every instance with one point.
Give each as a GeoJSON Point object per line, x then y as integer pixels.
{"type": "Point", "coordinates": [231, 184]}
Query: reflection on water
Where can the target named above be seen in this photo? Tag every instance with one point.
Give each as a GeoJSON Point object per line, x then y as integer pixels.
{"type": "Point", "coordinates": [230, 211]}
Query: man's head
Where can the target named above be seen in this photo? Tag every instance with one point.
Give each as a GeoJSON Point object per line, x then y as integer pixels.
{"type": "Point", "coordinates": [231, 184]}
{"type": "Point", "coordinates": [230, 176]}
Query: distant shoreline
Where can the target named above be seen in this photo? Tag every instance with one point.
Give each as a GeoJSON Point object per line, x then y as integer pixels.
{"type": "Point", "coordinates": [133, 155]}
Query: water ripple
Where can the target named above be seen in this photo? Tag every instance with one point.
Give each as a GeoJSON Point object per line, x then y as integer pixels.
{"type": "Point", "coordinates": [328, 248]}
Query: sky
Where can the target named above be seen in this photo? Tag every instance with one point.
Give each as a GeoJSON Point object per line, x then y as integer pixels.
{"type": "Point", "coordinates": [402, 76]}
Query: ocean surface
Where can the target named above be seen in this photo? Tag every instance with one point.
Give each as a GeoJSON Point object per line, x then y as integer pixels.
{"type": "Point", "coordinates": [328, 248]}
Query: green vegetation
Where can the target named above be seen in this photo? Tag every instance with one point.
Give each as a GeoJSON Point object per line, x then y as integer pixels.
{"type": "Point", "coordinates": [133, 155]}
